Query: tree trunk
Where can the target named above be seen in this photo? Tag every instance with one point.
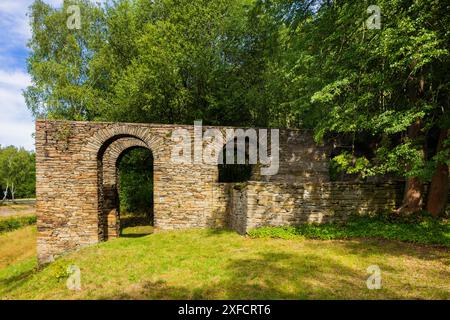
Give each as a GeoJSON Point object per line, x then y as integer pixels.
{"type": "Point", "coordinates": [412, 199]}
{"type": "Point", "coordinates": [13, 191]}
{"type": "Point", "coordinates": [5, 193]}
{"type": "Point", "coordinates": [439, 188]}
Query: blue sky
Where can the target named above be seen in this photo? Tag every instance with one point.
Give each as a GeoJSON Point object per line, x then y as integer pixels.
{"type": "Point", "coordinates": [16, 122]}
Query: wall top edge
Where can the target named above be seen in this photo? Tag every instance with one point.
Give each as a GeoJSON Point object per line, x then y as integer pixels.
{"type": "Point", "coordinates": [302, 184]}
{"type": "Point", "coordinates": [158, 125]}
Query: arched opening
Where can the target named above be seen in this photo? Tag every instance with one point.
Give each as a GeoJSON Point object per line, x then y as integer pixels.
{"type": "Point", "coordinates": [125, 180]}
{"type": "Point", "coordinates": [135, 191]}
{"type": "Point", "coordinates": [230, 170]}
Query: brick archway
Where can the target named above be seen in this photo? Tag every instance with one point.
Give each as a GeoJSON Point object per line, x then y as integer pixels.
{"type": "Point", "coordinates": [109, 221]}
{"type": "Point", "coordinates": [108, 144]}
{"type": "Point", "coordinates": [103, 138]}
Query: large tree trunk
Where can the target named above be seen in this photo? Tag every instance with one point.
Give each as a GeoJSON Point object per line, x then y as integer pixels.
{"type": "Point", "coordinates": [412, 200]}
{"type": "Point", "coordinates": [413, 197]}
{"type": "Point", "coordinates": [439, 188]}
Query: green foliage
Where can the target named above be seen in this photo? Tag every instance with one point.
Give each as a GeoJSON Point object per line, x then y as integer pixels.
{"type": "Point", "coordinates": [136, 182]}
{"type": "Point", "coordinates": [129, 220]}
{"type": "Point", "coordinates": [346, 162]}
{"type": "Point", "coordinates": [417, 229]}
{"type": "Point", "coordinates": [60, 271]}
{"type": "Point", "coordinates": [147, 61]}
{"type": "Point", "coordinates": [64, 86]}
{"type": "Point", "coordinates": [337, 77]}
{"type": "Point", "coordinates": [13, 223]}
{"type": "Point", "coordinates": [17, 172]}
{"type": "Point", "coordinates": [302, 64]}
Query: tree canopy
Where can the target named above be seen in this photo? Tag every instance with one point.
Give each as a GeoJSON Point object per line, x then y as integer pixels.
{"type": "Point", "coordinates": [17, 173]}
{"type": "Point", "coordinates": [381, 93]}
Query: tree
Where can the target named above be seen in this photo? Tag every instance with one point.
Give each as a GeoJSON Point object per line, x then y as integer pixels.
{"type": "Point", "coordinates": [147, 61]}
{"type": "Point", "coordinates": [440, 185]}
{"type": "Point", "coordinates": [386, 88]}
{"type": "Point", "coordinates": [136, 182]}
{"type": "Point", "coordinates": [17, 172]}
{"type": "Point", "coordinates": [382, 94]}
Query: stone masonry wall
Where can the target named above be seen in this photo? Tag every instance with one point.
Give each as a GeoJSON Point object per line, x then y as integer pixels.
{"type": "Point", "coordinates": [281, 204]}
{"type": "Point", "coordinates": [77, 203]}
{"type": "Point", "coordinates": [76, 167]}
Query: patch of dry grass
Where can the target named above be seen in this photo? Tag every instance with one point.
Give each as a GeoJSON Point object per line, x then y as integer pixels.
{"type": "Point", "coordinates": [17, 246]}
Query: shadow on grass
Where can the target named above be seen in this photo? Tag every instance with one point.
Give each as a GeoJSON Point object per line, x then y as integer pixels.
{"type": "Point", "coordinates": [138, 231]}
{"type": "Point", "coordinates": [269, 276]}
{"type": "Point", "coordinates": [17, 279]}
{"type": "Point", "coordinates": [397, 248]}
{"type": "Point", "coordinates": [276, 272]}
{"type": "Point", "coordinates": [219, 231]}
{"type": "Point", "coordinates": [135, 235]}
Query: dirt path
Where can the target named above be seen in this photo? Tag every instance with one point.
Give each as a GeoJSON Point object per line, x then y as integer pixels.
{"type": "Point", "coordinates": [17, 210]}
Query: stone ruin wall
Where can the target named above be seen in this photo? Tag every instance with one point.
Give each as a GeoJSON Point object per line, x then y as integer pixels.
{"type": "Point", "coordinates": [77, 205]}
{"type": "Point", "coordinates": [280, 204]}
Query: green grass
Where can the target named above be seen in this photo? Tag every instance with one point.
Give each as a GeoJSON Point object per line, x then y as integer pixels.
{"type": "Point", "coordinates": [212, 264]}
{"type": "Point", "coordinates": [14, 223]}
{"type": "Point", "coordinates": [416, 230]}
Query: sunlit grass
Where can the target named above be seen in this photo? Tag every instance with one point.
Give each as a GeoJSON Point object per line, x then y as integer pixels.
{"type": "Point", "coordinates": [210, 264]}
{"type": "Point", "coordinates": [137, 231]}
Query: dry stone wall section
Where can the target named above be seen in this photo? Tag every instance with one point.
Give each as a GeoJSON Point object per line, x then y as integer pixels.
{"type": "Point", "coordinates": [76, 168]}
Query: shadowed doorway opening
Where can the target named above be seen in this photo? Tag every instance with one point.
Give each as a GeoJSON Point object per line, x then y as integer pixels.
{"type": "Point", "coordinates": [232, 172]}
{"type": "Point", "coordinates": [135, 190]}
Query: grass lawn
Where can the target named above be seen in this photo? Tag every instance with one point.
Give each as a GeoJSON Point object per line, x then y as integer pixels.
{"type": "Point", "coordinates": [209, 264]}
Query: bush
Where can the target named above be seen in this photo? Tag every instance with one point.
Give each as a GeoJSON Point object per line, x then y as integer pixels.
{"type": "Point", "coordinates": [128, 220]}
{"type": "Point", "coordinates": [13, 223]}
{"type": "Point", "coordinates": [136, 182]}
{"type": "Point", "coordinates": [423, 230]}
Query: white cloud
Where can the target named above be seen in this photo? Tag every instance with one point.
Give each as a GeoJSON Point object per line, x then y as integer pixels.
{"type": "Point", "coordinates": [14, 19]}
{"type": "Point", "coordinates": [14, 80]}
{"type": "Point", "coordinates": [17, 134]}
{"type": "Point", "coordinates": [14, 23]}
{"type": "Point", "coordinates": [16, 122]}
